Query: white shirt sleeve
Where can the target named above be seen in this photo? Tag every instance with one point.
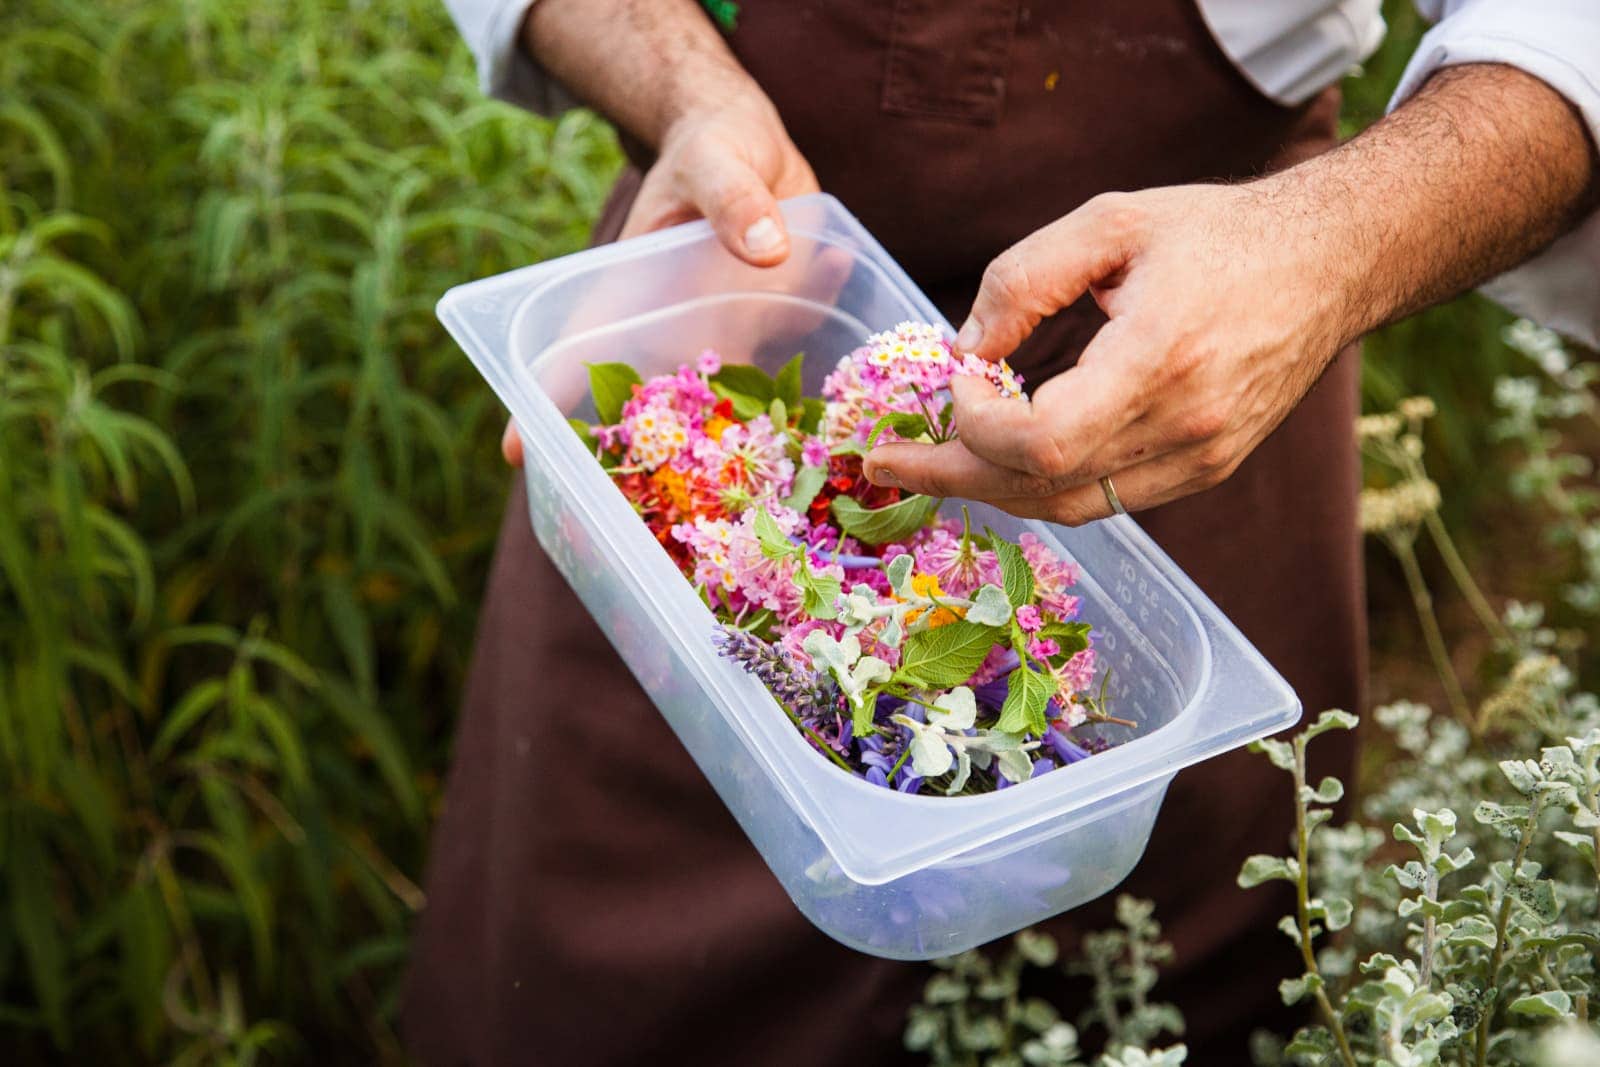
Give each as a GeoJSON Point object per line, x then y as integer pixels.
{"type": "Point", "coordinates": [505, 70]}
{"type": "Point", "coordinates": [1558, 42]}
{"type": "Point", "coordinates": [1291, 50]}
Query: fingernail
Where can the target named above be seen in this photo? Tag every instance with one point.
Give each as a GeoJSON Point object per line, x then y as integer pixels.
{"type": "Point", "coordinates": [763, 235]}
{"type": "Point", "coordinates": [882, 476]}
{"type": "Point", "coordinates": [970, 337]}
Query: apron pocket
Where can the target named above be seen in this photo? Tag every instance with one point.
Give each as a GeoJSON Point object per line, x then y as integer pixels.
{"type": "Point", "coordinates": [948, 61]}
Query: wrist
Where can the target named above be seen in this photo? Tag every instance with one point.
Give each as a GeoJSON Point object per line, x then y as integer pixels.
{"type": "Point", "coordinates": [718, 91]}
{"type": "Point", "coordinates": [1318, 227]}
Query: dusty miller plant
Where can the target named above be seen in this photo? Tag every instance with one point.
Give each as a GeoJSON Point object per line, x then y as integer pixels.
{"type": "Point", "coordinates": [1456, 919]}
{"type": "Point", "coordinates": [974, 1011]}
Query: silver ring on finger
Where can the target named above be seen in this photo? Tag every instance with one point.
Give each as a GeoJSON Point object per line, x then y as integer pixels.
{"type": "Point", "coordinates": [1111, 496]}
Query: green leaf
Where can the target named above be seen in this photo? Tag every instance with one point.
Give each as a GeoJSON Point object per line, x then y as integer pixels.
{"type": "Point", "coordinates": [820, 594]}
{"type": "Point", "coordinates": [808, 482]}
{"type": "Point", "coordinates": [787, 387]}
{"type": "Point", "coordinates": [774, 543]}
{"type": "Point", "coordinates": [1037, 947]}
{"type": "Point", "coordinates": [585, 434]}
{"type": "Point", "coordinates": [1294, 990]}
{"type": "Point", "coordinates": [611, 385]}
{"type": "Point", "coordinates": [1552, 1004]}
{"type": "Point", "coordinates": [812, 409]}
{"type": "Point", "coordinates": [1027, 695]}
{"type": "Point", "coordinates": [1329, 791]}
{"type": "Point", "coordinates": [1473, 930]}
{"type": "Point", "coordinates": [899, 574]}
{"type": "Point", "coordinates": [878, 526]}
{"type": "Point", "coordinates": [1524, 775]}
{"type": "Point", "coordinates": [944, 656]}
{"type": "Point", "coordinates": [745, 407]}
{"type": "Point", "coordinates": [990, 607]}
{"type": "Point", "coordinates": [1071, 636]}
{"type": "Point", "coordinates": [1331, 720]}
{"type": "Point", "coordinates": [1015, 571]}
{"type": "Point", "coordinates": [906, 424]}
{"type": "Point", "coordinates": [1259, 869]}
{"type": "Point", "coordinates": [736, 380]}
{"type": "Point", "coordinates": [930, 756]}
{"type": "Point", "coordinates": [1279, 753]}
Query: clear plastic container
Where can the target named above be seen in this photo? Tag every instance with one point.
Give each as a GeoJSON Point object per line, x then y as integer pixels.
{"type": "Point", "coordinates": [906, 877]}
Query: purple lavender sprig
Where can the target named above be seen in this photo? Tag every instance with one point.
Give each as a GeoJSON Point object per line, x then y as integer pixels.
{"type": "Point", "coordinates": [807, 694]}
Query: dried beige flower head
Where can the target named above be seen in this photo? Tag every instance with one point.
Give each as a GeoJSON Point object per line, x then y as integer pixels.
{"type": "Point", "coordinates": [1382, 427]}
{"type": "Point", "coordinates": [1418, 407]}
{"type": "Point", "coordinates": [1400, 507]}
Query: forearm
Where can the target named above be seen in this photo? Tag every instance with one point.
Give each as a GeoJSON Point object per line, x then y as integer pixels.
{"type": "Point", "coordinates": [1482, 168]}
{"type": "Point", "coordinates": [643, 63]}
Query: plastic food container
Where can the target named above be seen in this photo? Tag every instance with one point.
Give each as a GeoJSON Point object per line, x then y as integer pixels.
{"type": "Point", "coordinates": [906, 877]}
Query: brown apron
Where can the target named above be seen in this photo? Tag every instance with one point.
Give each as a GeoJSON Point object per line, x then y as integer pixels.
{"type": "Point", "coordinates": [585, 908]}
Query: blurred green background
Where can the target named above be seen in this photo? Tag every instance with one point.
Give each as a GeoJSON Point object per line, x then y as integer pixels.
{"type": "Point", "coordinates": [248, 490]}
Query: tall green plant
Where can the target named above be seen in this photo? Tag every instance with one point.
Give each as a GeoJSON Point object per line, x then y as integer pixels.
{"type": "Point", "coordinates": [242, 475]}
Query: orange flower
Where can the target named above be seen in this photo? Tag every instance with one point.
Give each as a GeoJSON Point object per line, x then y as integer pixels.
{"type": "Point", "coordinates": [928, 585]}
{"type": "Point", "coordinates": [672, 486]}
{"type": "Point", "coordinates": [715, 425]}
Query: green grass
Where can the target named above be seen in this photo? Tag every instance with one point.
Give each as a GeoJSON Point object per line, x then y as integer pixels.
{"type": "Point", "coordinates": [248, 491]}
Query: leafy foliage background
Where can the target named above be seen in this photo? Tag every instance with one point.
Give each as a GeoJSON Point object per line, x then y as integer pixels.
{"type": "Point", "coordinates": [248, 490]}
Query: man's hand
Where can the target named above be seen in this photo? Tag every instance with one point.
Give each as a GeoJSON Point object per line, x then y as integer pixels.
{"type": "Point", "coordinates": [730, 166]}
{"type": "Point", "coordinates": [1226, 302]}
{"type": "Point", "coordinates": [1219, 323]}
{"type": "Point", "coordinates": [659, 69]}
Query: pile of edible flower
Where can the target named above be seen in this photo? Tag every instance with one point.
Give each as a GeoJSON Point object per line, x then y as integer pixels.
{"type": "Point", "coordinates": [910, 649]}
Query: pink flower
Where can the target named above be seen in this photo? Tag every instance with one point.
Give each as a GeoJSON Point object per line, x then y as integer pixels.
{"type": "Point", "coordinates": [814, 453]}
{"type": "Point", "coordinates": [1029, 619]}
{"type": "Point", "coordinates": [708, 363]}
{"type": "Point", "coordinates": [905, 369]}
{"type": "Point", "coordinates": [1052, 577]}
{"type": "Point", "coordinates": [960, 565]}
{"type": "Point", "coordinates": [1078, 673]}
{"type": "Point", "coordinates": [1043, 648]}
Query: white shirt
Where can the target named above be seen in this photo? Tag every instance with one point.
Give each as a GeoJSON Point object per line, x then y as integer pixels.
{"type": "Point", "coordinates": [1291, 50]}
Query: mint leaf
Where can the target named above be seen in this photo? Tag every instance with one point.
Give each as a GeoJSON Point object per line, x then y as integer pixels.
{"type": "Point", "coordinates": [905, 423]}
{"type": "Point", "coordinates": [808, 483]}
{"type": "Point", "coordinates": [1071, 636]}
{"type": "Point", "coordinates": [774, 545]}
{"type": "Point", "coordinates": [820, 594]}
{"type": "Point", "coordinates": [585, 434]}
{"type": "Point", "coordinates": [611, 385]}
{"type": "Point", "coordinates": [1027, 694]}
{"type": "Point", "coordinates": [745, 380]}
{"type": "Point", "coordinates": [811, 411]}
{"type": "Point", "coordinates": [878, 526]}
{"type": "Point", "coordinates": [1015, 571]}
{"type": "Point", "coordinates": [745, 407]}
{"type": "Point", "coordinates": [786, 386]}
{"type": "Point", "coordinates": [944, 656]}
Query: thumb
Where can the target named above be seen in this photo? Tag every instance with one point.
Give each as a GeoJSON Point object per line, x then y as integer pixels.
{"type": "Point", "coordinates": [737, 202]}
{"type": "Point", "coordinates": [1043, 273]}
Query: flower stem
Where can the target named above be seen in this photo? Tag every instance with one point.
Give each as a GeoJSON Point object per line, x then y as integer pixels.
{"type": "Point", "coordinates": [1422, 600]}
{"type": "Point", "coordinates": [1302, 889]}
{"type": "Point", "coordinates": [1430, 891]}
{"type": "Point", "coordinates": [901, 762]}
{"type": "Point", "coordinates": [1463, 578]}
{"type": "Point", "coordinates": [1535, 802]}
